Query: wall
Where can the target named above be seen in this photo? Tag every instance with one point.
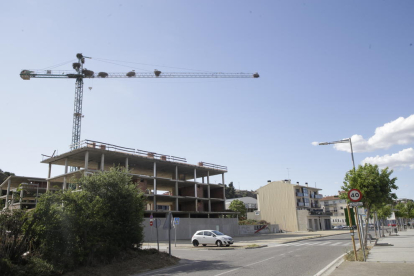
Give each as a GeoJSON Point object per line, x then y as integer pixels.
{"type": "Point", "coordinates": [251, 229]}
{"type": "Point", "coordinates": [252, 215]}
{"type": "Point", "coordinates": [302, 220]}
{"type": "Point", "coordinates": [277, 203]}
{"type": "Point", "coordinates": [188, 226]}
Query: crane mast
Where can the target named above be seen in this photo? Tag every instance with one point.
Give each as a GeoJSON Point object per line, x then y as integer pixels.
{"type": "Point", "coordinates": [80, 73]}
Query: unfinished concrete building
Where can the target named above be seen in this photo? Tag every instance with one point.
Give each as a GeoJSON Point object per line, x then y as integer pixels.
{"type": "Point", "coordinates": [168, 182]}
{"type": "Point", "coordinates": [22, 192]}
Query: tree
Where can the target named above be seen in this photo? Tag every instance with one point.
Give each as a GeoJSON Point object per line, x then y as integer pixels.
{"type": "Point", "coordinates": [238, 206]}
{"type": "Point", "coordinates": [92, 225]}
{"type": "Point", "coordinates": [230, 191]}
{"type": "Point", "coordinates": [4, 175]}
{"type": "Point", "coordinates": [376, 187]}
{"type": "Point", "coordinates": [383, 212]}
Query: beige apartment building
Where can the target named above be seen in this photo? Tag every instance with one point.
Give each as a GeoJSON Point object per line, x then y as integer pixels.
{"type": "Point", "coordinates": [293, 207]}
{"type": "Point", "coordinates": [337, 207]}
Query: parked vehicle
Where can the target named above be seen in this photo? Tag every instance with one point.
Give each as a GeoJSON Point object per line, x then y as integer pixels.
{"type": "Point", "coordinates": [392, 224]}
{"type": "Point", "coordinates": [338, 227]}
{"type": "Point", "coordinates": [205, 237]}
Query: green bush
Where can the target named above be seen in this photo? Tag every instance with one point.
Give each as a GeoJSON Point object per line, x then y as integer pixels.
{"type": "Point", "coordinates": [68, 229]}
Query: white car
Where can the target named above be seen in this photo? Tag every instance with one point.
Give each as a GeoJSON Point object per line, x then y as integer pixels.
{"type": "Point", "coordinates": [205, 237]}
{"type": "Point", "coordinates": [338, 227]}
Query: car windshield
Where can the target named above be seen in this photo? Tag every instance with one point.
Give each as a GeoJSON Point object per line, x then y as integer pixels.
{"type": "Point", "coordinates": [218, 233]}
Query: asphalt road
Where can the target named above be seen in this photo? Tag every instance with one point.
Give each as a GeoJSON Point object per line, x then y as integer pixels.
{"type": "Point", "coordinates": [300, 258]}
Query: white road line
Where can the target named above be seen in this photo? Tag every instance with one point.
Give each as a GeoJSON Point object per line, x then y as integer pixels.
{"type": "Point", "coordinates": [245, 266]}
{"type": "Point", "coordinates": [324, 243]}
{"type": "Point", "coordinates": [337, 243]}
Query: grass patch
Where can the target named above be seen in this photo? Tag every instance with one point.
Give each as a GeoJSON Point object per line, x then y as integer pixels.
{"type": "Point", "coordinates": [129, 263]}
{"type": "Point", "coordinates": [252, 245]}
{"type": "Point", "coordinates": [349, 256]}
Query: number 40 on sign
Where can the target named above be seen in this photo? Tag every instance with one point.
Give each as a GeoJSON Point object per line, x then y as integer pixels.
{"type": "Point", "coordinates": [354, 195]}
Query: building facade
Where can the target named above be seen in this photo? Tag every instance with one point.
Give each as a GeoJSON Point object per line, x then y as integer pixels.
{"type": "Point", "coordinates": [21, 192]}
{"type": "Point", "coordinates": [337, 207]}
{"type": "Point", "coordinates": [169, 183]}
{"type": "Point", "coordinates": [292, 206]}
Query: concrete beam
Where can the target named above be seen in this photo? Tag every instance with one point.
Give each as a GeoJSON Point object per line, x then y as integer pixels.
{"type": "Point", "coordinates": [8, 192]}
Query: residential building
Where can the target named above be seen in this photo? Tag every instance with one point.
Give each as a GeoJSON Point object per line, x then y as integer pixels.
{"type": "Point", "coordinates": [169, 183]}
{"type": "Point", "coordinates": [249, 202]}
{"type": "Point", "coordinates": [293, 207]}
{"type": "Point", "coordinates": [337, 207]}
{"type": "Point", "coordinates": [21, 192]}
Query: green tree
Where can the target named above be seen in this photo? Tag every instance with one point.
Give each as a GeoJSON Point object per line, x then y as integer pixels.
{"type": "Point", "coordinates": [95, 224]}
{"type": "Point", "coordinates": [383, 212]}
{"type": "Point", "coordinates": [238, 206]}
{"type": "Point", "coordinates": [375, 185]}
{"type": "Point", "coordinates": [4, 175]}
{"type": "Point", "coordinates": [230, 191]}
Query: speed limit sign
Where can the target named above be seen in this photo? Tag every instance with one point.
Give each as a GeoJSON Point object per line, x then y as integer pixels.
{"type": "Point", "coordinates": [354, 195]}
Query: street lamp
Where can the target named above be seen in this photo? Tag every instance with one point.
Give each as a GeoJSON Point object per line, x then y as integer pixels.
{"type": "Point", "coordinates": [341, 142]}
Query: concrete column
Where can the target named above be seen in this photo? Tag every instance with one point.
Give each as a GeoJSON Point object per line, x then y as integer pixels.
{"type": "Point", "coordinates": [64, 183]}
{"type": "Point", "coordinates": [155, 186]}
{"type": "Point", "coordinates": [208, 191]}
{"type": "Point", "coordinates": [12, 200]}
{"type": "Point", "coordinates": [195, 185]}
{"type": "Point", "coordinates": [196, 205]}
{"type": "Point", "coordinates": [21, 197]}
{"type": "Point", "coordinates": [86, 162]}
{"type": "Point", "coordinates": [126, 164]}
{"type": "Point", "coordinates": [176, 188]}
{"type": "Point", "coordinates": [103, 162]}
{"type": "Point", "coordinates": [224, 191]}
{"type": "Point", "coordinates": [8, 192]}
{"type": "Point", "coordinates": [202, 179]}
{"type": "Point", "coordinates": [222, 179]}
{"type": "Point", "coordinates": [48, 176]}
{"type": "Point", "coordinates": [66, 166]}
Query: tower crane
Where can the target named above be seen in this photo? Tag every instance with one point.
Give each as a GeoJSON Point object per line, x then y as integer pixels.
{"type": "Point", "coordinates": [81, 73]}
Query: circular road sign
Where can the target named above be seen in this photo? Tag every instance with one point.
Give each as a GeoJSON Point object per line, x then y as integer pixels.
{"type": "Point", "coordinates": [151, 223]}
{"type": "Point", "coordinates": [354, 195]}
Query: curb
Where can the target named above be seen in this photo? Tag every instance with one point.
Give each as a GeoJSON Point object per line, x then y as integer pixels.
{"type": "Point", "coordinates": [327, 270]}
{"type": "Point", "coordinates": [229, 248]}
{"type": "Point", "coordinates": [255, 247]}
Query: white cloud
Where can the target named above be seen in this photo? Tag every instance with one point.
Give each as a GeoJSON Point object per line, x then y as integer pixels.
{"type": "Point", "coordinates": [315, 143]}
{"type": "Point", "coordinates": [404, 158]}
{"type": "Point", "coordinates": [397, 132]}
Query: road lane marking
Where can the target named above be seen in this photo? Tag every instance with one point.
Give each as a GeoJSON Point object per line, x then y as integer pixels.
{"type": "Point", "coordinates": [337, 243]}
{"type": "Point", "coordinates": [244, 266]}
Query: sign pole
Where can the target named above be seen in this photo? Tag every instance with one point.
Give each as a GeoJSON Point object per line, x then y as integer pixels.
{"type": "Point", "coordinates": [156, 225]}
{"type": "Point", "coordinates": [175, 233]}
{"type": "Point", "coordinates": [359, 232]}
{"type": "Point", "coordinates": [351, 231]}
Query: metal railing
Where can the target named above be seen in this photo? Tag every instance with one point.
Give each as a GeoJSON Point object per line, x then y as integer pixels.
{"type": "Point", "coordinates": [320, 213]}
{"type": "Point", "coordinates": [318, 196]}
{"type": "Point", "coordinates": [110, 147]}
{"type": "Point", "coordinates": [299, 194]}
{"type": "Point", "coordinates": [212, 166]}
{"type": "Point", "coordinates": [301, 204]}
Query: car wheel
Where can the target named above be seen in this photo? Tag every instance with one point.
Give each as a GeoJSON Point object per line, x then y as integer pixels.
{"type": "Point", "coordinates": [204, 244]}
{"type": "Point", "coordinates": [195, 242]}
{"type": "Point", "coordinates": [227, 245]}
{"type": "Point", "coordinates": [219, 243]}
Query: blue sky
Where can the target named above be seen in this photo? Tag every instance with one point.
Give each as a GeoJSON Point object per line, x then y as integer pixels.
{"type": "Point", "coordinates": [329, 70]}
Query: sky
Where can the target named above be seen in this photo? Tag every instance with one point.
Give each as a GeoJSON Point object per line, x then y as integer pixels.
{"type": "Point", "coordinates": [329, 70]}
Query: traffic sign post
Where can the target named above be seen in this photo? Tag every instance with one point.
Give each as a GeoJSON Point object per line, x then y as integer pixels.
{"type": "Point", "coordinates": [351, 231]}
{"type": "Point", "coordinates": [175, 224]}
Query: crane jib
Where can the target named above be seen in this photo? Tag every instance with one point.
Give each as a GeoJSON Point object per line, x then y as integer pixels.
{"type": "Point", "coordinates": [28, 74]}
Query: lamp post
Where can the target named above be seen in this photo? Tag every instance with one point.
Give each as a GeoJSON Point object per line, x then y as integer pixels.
{"type": "Point", "coordinates": [356, 208]}
{"type": "Point", "coordinates": [341, 142]}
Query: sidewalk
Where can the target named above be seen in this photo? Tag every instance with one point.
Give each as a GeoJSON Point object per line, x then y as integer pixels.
{"type": "Point", "coordinates": [393, 255]}
{"type": "Point", "coordinates": [243, 241]}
